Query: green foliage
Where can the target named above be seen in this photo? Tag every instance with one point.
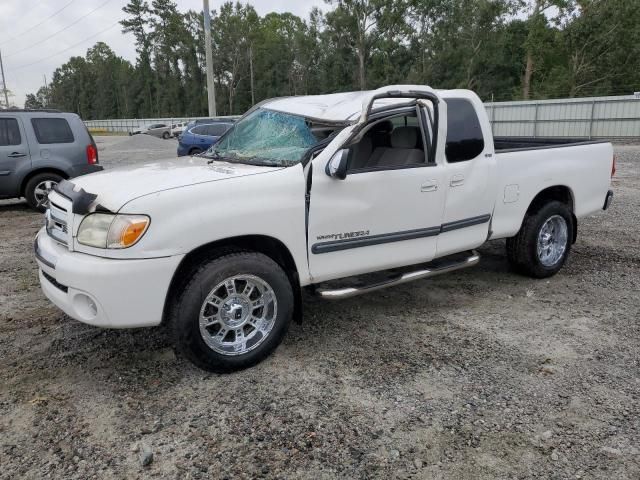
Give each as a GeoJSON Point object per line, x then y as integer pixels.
{"type": "Point", "coordinates": [502, 49]}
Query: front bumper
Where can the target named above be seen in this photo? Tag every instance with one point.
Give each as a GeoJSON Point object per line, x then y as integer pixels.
{"type": "Point", "coordinates": [183, 149]}
{"type": "Point", "coordinates": [101, 291]}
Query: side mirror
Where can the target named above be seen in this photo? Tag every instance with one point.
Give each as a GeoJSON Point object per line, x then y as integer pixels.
{"type": "Point", "coordinates": [337, 166]}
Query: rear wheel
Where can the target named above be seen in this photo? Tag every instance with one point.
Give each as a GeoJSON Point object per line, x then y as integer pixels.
{"type": "Point", "coordinates": [38, 187]}
{"type": "Point", "coordinates": [233, 313]}
{"type": "Point", "coordinates": [542, 245]}
{"type": "Point", "coordinates": [195, 151]}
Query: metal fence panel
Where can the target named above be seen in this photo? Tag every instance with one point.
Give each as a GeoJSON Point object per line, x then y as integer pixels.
{"type": "Point", "coordinates": [124, 125]}
{"type": "Point", "coordinates": [598, 117]}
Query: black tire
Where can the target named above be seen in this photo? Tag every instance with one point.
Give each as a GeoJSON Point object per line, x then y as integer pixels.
{"type": "Point", "coordinates": [195, 151]}
{"type": "Point", "coordinates": [522, 250]}
{"type": "Point", "coordinates": [32, 184]}
{"type": "Point", "coordinates": [186, 308]}
{"type": "Point", "coordinates": [166, 135]}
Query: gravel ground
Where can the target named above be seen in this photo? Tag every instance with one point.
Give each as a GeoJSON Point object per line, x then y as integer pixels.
{"type": "Point", "coordinates": [478, 374]}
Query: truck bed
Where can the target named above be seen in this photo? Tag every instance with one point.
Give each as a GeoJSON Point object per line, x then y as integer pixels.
{"type": "Point", "coordinates": [508, 144]}
{"type": "Point", "coordinates": [526, 167]}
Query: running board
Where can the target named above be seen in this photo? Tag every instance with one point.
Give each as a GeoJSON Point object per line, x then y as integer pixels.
{"type": "Point", "coordinates": [439, 267]}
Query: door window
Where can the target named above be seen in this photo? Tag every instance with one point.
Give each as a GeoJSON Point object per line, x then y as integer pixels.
{"type": "Point", "coordinates": [9, 132]}
{"type": "Point", "coordinates": [395, 142]}
{"type": "Point", "coordinates": [52, 130]}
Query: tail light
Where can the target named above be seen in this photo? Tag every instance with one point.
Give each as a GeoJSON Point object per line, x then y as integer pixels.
{"type": "Point", "coordinates": [613, 167]}
{"type": "Point", "coordinates": [92, 155]}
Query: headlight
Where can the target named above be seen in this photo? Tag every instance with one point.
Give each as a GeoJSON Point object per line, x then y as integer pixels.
{"type": "Point", "coordinates": [106, 230]}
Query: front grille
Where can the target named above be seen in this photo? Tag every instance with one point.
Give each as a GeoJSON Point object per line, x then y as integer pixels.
{"type": "Point", "coordinates": [54, 282]}
{"type": "Point", "coordinates": [56, 223]}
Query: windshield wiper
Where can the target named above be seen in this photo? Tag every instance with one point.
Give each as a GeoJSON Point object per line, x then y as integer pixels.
{"type": "Point", "coordinates": [255, 160]}
{"type": "Point", "coordinates": [216, 156]}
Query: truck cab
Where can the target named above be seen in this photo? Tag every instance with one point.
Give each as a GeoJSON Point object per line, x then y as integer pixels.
{"type": "Point", "coordinates": [339, 195]}
{"type": "Point", "coordinates": [417, 191]}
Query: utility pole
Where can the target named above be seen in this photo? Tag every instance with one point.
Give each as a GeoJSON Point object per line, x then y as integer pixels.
{"type": "Point", "coordinates": [4, 83]}
{"type": "Point", "coordinates": [46, 90]}
{"type": "Point", "coordinates": [211, 89]}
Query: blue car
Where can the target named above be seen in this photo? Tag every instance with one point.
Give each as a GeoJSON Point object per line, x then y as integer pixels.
{"type": "Point", "coordinates": [198, 138]}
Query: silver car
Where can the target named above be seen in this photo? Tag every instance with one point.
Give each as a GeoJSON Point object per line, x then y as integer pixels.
{"type": "Point", "coordinates": [160, 130]}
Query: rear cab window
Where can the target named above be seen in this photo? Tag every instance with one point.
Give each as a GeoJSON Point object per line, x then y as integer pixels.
{"type": "Point", "coordinates": [405, 121]}
{"type": "Point", "coordinates": [465, 140]}
{"type": "Point", "coordinates": [52, 130]}
{"type": "Point", "coordinates": [9, 132]}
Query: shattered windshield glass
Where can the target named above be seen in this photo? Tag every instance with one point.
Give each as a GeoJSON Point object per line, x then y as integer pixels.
{"type": "Point", "coordinates": [266, 137]}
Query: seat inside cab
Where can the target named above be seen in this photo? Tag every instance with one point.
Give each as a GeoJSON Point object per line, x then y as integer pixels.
{"type": "Point", "coordinates": [389, 143]}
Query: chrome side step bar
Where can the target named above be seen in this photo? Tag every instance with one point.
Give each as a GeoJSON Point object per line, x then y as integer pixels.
{"type": "Point", "coordinates": [348, 292]}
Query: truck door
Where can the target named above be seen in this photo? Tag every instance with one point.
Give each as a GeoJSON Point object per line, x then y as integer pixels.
{"type": "Point", "coordinates": [469, 184]}
{"type": "Point", "coordinates": [14, 155]}
{"type": "Point", "coordinates": [387, 211]}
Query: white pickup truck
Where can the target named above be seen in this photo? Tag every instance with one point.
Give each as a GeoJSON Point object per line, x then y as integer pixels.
{"type": "Point", "coordinates": [337, 194]}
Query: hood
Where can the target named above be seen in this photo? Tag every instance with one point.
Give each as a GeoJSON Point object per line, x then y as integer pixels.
{"type": "Point", "coordinates": [116, 187]}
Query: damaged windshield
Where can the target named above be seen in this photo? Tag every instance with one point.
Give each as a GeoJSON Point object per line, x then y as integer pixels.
{"type": "Point", "coordinates": [270, 138]}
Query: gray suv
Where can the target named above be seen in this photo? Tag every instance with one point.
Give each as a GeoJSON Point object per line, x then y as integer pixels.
{"type": "Point", "coordinates": [38, 148]}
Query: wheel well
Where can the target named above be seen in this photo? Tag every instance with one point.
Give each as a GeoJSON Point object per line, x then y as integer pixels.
{"type": "Point", "coordinates": [269, 246]}
{"type": "Point", "coordinates": [32, 174]}
{"type": "Point", "coordinates": [194, 149]}
{"type": "Point", "coordinates": [560, 193]}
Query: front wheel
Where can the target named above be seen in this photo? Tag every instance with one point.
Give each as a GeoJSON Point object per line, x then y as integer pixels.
{"type": "Point", "coordinates": [233, 312]}
{"type": "Point", "coordinates": [542, 245]}
{"type": "Point", "coordinates": [166, 135]}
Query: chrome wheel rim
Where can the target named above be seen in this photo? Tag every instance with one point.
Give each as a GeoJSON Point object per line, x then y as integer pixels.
{"type": "Point", "coordinates": [41, 192]}
{"type": "Point", "coordinates": [552, 240]}
{"type": "Point", "coordinates": [238, 315]}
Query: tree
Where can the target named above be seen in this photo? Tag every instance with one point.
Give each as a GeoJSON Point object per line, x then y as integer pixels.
{"type": "Point", "coordinates": [502, 49]}
{"type": "Point", "coordinates": [365, 21]}
{"type": "Point", "coordinates": [168, 36]}
{"type": "Point", "coordinates": [193, 58]}
{"type": "Point", "coordinates": [137, 23]}
{"type": "Point", "coordinates": [537, 25]}
{"type": "Point", "coordinates": [232, 29]}
{"type": "Point", "coordinates": [602, 43]}
{"type": "Point", "coordinates": [39, 100]}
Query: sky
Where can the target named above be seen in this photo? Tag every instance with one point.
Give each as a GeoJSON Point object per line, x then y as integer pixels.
{"type": "Point", "coordinates": [37, 36]}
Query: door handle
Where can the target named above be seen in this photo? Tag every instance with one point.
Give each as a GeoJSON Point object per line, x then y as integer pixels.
{"type": "Point", "coordinates": [16, 155]}
{"type": "Point", "coordinates": [457, 180]}
{"type": "Point", "coordinates": [429, 186]}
